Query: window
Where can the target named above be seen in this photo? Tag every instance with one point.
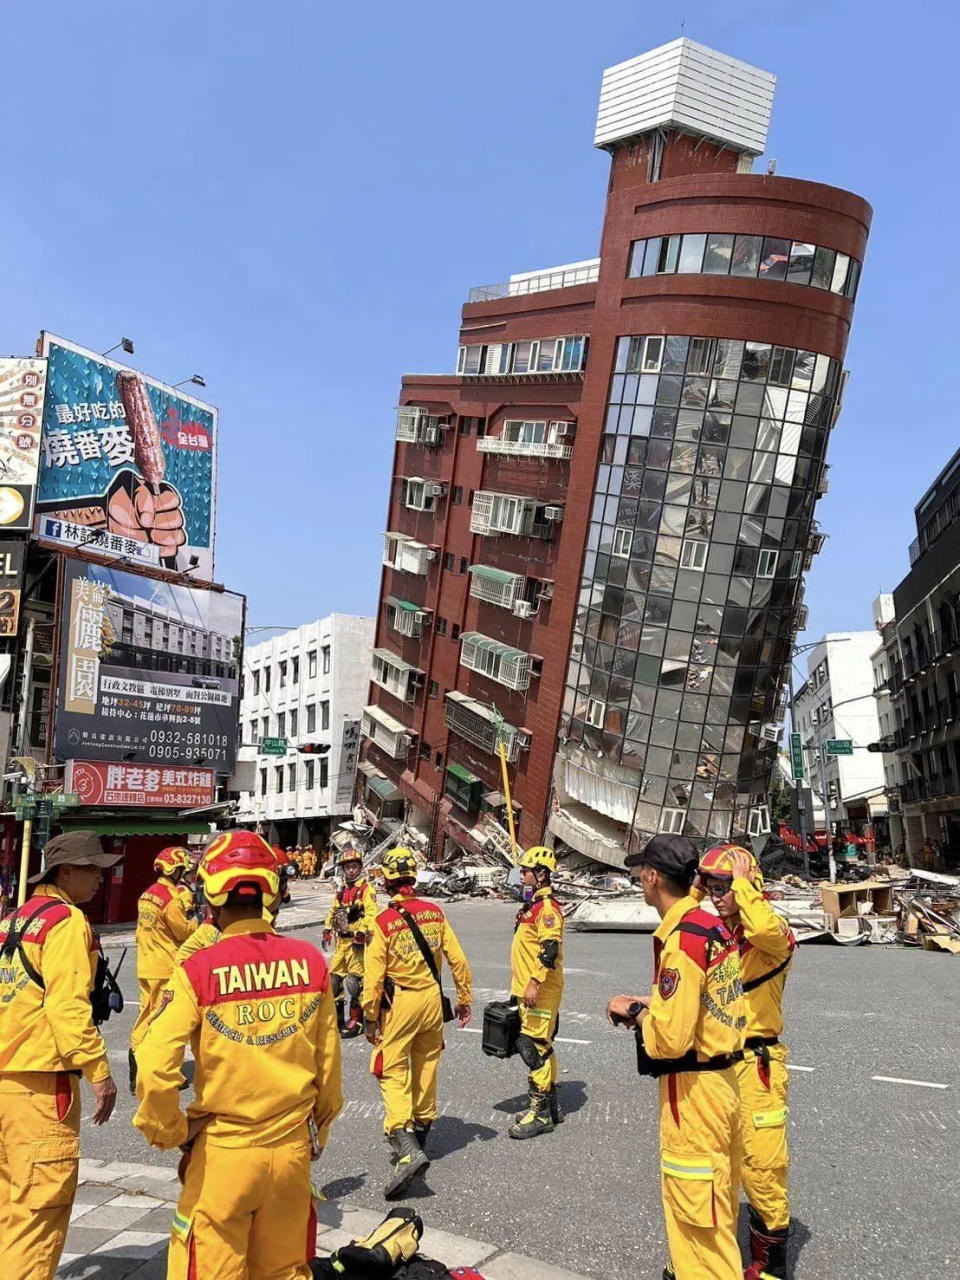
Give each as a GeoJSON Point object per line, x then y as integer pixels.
{"type": "Point", "coordinates": [295, 671]}
{"type": "Point", "coordinates": [669, 254]}
{"type": "Point", "coordinates": [767, 563]}
{"type": "Point", "coordinates": [263, 782]}
{"type": "Point", "coordinates": [716, 258]}
{"type": "Point", "coordinates": [693, 555]}
{"type": "Point", "coordinates": [691, 253]}
{"type": "Point", "coordinates": [441, 626]}
{"type": "Point", "coordinates": [282, 725]}
{"type": "Point", "coordinates": [420, 495]}
{"type": "Point", "coordinates": [265, 722]}
{"type": "Point", "coordinates": [759, 824]}
{"type": "Point", "coordinates": [455, 631]}
{"type": "Point", "coordinates": [324, 773]}
{"type": "Point", "coordinates": [781, 366]}
{"type": "Point", "coordinates": [425, 750]}
{"type": "Point", "coordinates": [256, 683]}
{"type": "Point", "coordinates": [464, 564]}
{"type": "Point", "coordinates": [596, 710]}
{"type": "Point", "coordinates": [449, 561]}
{"type": "Point", "coordinates": [652, 355]}
{"type": "Point", "coordinates": [282, 673]}
{"type": "Point", "coordinates": [266, 679]}
{"type": "Point", "coordinates": [464, 788]}
{"type": "Point", "coordinates": [672, 821]}
{"type": "Point", "coordinates": [311, 718]}
{"type": "Point", "coordinates": [795, 562]}
{"type": "Point", "coordinates": [700, 358]}
{"type": "Point", "coordinates": [434, 689]}
{"type": "Point", "coordinates": [469, 360]}
{"type": "Point", "coordinates": [570, 354]}
{"type": "Point", "coordinates": [438, 760]}
{"type": "Point", "coordinates": [456, 495]}
{"type": "Point", "coordinates": [312, 665]}
{"type": "Point", "coordinates": [324, 716]}
{"type": "Point", "coordinates": [801, 263]}
{"type": "Point", "coordinates": [326, 659]}
{"type": "Point", "coordinates": [253, 732]}
{"type": "Point", "coordinates": [774, 258]}
{"type": "Point", "coordinates": [525, 356]}
{"type": "Point", "coordinates": [279, 779]}
{"type": "Point", "coordinates": [294, 718]}
{"type": "Point", "coordinates": [292, 776]}
{"type": "Point", "coordinates": [622, 543]}
{"type": "Point", "coordinates": [308, 775]}
{"type": "Point", "coordinates": [465, 425]}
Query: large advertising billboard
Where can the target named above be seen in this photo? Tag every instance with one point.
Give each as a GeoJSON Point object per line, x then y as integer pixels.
{"type": "Point", "coordinates": [149, 670]}
{"type": "Point", "coordinates": [128, 464]}
{"type": "Point", "coordinates": [12, 555]}
{"type": "Point", "coordinates": [94, 782]}
{"type": "Point", "coordinates": [21, 414]}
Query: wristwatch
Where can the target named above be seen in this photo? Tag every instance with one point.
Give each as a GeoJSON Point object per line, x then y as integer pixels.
{"type": "Point", "coordinates": [634, 1009]}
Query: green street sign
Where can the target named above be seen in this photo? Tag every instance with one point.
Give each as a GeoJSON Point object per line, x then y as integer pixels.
{"type": "Point", "coordinates": [65, 800]}
{"type": "Point", "coordinates": [273, 747]}
{"type": "Point", "coordinates": [796, 757]}
{"type": "Point", "coordinates": [25, 808]}
{"type": "Point", "coordinates": [839, 747]}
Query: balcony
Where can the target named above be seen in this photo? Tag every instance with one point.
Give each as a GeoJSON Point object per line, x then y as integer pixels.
{"type": "Point", "coordinates": [495, 586]}
{"type": "Point", "coordinates": [385, 732]}
{"type": "Point", "coordinates": [501, 662]}
{"type": "Point", "coordinates": [483, 726]}
{"type": "Point", "coordinates": [524, 448]}
{"type": "Point", "coordinates": [405, 617]}
{"type": "Point", "coordinates": [406, 555]}
{"type": "Point", "coordinates": [538, 281]}
{"type": "Point", "coordinates": [398, 677]}
{"type": "Point", "coordinates": [496, 513]}
{"type": "Point", "coordinates": [416, 426]}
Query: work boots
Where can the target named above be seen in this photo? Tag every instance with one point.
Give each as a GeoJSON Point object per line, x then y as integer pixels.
{"type": "Point", "coordinates": [556, 1111]}
{"type": "Point", "coordinates": [410, 1161]}
{"type": "Point", "coordinates": [421, 1129]}
{"type": "Point", "coordinates": [768, 1251]}
{"type": "Point", "coordinates": [132, 1064]}
{"type": "Point", "coordinates": [536, 1119]}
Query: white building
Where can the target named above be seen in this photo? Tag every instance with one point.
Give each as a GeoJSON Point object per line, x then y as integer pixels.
{"type": "Point", "coordinates": [305, 687]}
{"type": "Point", "coordinates": [837, 702]}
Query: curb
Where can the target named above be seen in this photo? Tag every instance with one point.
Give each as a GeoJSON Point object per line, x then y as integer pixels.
{"type": "Point", "coordinates": [151, 1191]}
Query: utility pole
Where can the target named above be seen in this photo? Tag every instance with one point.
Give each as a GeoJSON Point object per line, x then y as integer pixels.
{"type": "Point", "coordinates": [825, 792]}
{"type": "Point", "coordinates": [801, 794]}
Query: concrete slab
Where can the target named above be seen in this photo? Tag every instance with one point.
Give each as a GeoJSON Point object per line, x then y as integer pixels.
{"type": "Point", "coordinates": [134, 1244]}
{"type": "Point", "coordinates": [455, 1251]}
{"type": "Point", "coordinates": [126, 1200]}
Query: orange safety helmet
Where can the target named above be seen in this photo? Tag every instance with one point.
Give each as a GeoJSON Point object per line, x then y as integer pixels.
{"type": "Point", "coordinates": [718, 862]}
{"type": "Point", "coordinates": [238, 860]}
{"type": "Point", "coordinates": [168, 861]}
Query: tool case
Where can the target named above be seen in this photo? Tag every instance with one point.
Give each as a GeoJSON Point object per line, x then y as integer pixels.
{"type": "Point", "coordinates": [501, 1028]}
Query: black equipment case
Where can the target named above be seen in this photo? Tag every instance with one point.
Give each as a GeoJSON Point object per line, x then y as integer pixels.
{"type": "Point", "coordinates": [501, 1028]}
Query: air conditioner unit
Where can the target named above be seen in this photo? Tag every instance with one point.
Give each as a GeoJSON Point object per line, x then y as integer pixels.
{"type": "Point", "coordinates": [565, 428]}
{"type": "Point", "coordinates": [553, 513]}
{"type": "Point", "coordinates": [431, 435]}
{"type": "Point", "coordinates": [421, 615]}
{"type": "Point", "coordinates": [436, 490]}
{"type": "Point", "coordinates": [524, 739]}
{"type": "Point", "coordinates": [431, 553]}
{"type": "Point", "coordinates": [523, 609]}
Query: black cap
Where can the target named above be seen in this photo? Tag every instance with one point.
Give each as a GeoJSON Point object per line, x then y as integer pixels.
{"type": "Point", "coordinates": [676, 856]}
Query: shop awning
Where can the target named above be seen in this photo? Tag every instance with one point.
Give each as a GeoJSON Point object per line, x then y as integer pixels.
{"type": "Point", "coordinates": [369, 770]}
{"type": "Point", "coordinates": [480, 641]}
{"type": "Point", "coordinates": [384, 788]}
{"type": "Point", "coordinates": [407, 605]}
{"type": "Point", "coordinates": [132, 827]}
{"type": "Point", "coordinates": [463, 774]}
{"type": "Point", "coordinates": [493, 575]}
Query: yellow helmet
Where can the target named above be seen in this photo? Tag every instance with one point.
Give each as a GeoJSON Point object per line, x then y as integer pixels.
{"type": "Point", "coordinates": [398, 864]}
{"type": "Point", "coordinates": [539, 856]}
{"type": "Point", "coordinates": [242, 861]}
{"type": "Point", "coordinates": [718, 862]}
{"type": "Point", "coordinates": [170, 860]}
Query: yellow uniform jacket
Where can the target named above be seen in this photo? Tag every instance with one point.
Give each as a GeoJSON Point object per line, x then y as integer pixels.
{"type": "Point", "coordinates": [205, 935]}
{"type": "Point", "coordinates": [393, 953]}
{"type": "Point", "coordinates": [359, 900]}
{"type": "Point", "coordinates": [697, 1001]}
{"type": "Point", "coordinates": [766, 944]}
{"type": "Point", "coordinates": [539, 924]}
{"type": "Point", "coordinates": [50, 1027]}
{"type": "Point", "coordinates": [258, 1012]}
{"type": "Point", "coordinates": [162, 926]}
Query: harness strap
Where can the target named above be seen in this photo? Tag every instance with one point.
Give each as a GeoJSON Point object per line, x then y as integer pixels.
{"type": "Point", "coordinates": [758, 982]}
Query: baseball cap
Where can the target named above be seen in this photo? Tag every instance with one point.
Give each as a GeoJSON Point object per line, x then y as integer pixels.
{"type": "Point", "coordinates": [676, 856]}
{"type": "Point", "coordinates": [74, 849]}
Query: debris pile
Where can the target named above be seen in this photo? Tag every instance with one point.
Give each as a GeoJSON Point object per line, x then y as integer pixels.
{"type": "Point", "coordinates": [929, 911]}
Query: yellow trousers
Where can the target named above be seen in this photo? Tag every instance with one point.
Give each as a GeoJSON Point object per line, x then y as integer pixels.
{"type": "Point", "coordinates": [245, 1213]}
{"type": "Point", "coordinates": [150, 990]}
{"type": "Point", "coordinates": [347, 958]}
{"type": "Point", "coordinates": [763, 1126]}
{"type": "Point", "coordinates": [39, 1162]}
{"type": "Point", "coordinates": [540, 1025]}
{"type": "Point", "coordinates": [407, 1058]}
{"type": "Point", "coordinates": [699, 1173]}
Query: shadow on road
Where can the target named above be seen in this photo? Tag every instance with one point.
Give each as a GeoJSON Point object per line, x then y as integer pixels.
{"type": "Point", "coordinates": [340, 1188]}
{"type": "Point", "coordinates": [450, 1134]}
{"type": "Point", "coordinates": [573, 1096]}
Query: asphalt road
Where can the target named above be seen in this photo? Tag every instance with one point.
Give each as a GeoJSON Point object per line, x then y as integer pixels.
{"type": "Point", "coordinates": [875, 1192]}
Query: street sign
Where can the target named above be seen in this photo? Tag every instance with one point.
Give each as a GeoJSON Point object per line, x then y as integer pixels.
{"type": "Point", "coordinates": [273, 747]}
{"type": "Point", "coordinates": [796, 757]}
{"type": "Point", "coordinates": [65, 800]}
{"type": "Point", "coordinates": [25, 807]}
{"type": "Point", "coordinates": [839, 747]}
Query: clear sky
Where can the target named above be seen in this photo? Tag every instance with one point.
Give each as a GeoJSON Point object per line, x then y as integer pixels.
{"type": "Point", "coordinates": [293, 199]}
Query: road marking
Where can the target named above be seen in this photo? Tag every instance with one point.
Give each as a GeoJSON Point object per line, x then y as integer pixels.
{"type": "Point", "coordinates": [922, 1084]}
{"type": "Point", "coordinates": [478, 1031]}
{"type": "Point", "coordinates": [792, 1066]}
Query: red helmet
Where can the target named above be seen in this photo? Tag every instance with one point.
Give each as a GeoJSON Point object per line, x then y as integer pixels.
{"type": "Point", "coordinates": [170, 860]}
{"type": "Point", "coordinates": [238, 860]}
{"type": "Point", "coordinates": [718, 862]}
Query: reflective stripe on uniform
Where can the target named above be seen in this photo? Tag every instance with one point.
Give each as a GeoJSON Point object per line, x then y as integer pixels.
{"type": "Point", "coordinates": [770, 1119]}
{"type": "Point", "coordinates": [181, 1226]}
{"type": "Point", "coordinates": [693, 1168]}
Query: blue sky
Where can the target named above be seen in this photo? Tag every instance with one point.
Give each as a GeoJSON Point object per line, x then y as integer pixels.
{"type": "Point", "coordinates": [293, 199]}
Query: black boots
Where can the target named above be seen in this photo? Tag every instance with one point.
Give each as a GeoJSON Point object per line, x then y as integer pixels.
{"type": "Point", "coordinates": [132, 1064]}
{"type": "Point", "coordinates": [556, 1111]}
{"type": "Point", "coordinates": [410, 1160]}
{"type": "Point", "coordinates": [421, 1129]}
{"type": "Point", "coordinates": [536, 1119]}
{"type": "Point", "coordinates": [768, 1251]}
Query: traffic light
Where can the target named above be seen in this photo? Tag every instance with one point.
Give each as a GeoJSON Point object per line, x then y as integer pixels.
{"type": "Point", "coordinates": [885, 746]}
{"type": "Point", "coordinates": [314, 748]}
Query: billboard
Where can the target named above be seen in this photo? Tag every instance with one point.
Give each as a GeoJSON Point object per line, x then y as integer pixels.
{"type": "Point", "coordinates": [21, 414]}
{"type": "Point", "coordinates": [149, 670]}
{"type": "Point", "coordinates": [349, 755]}
{"type": "Point", "coordinates": [128, 465]}
{"type": "Point", "coordinates": [12, 554]}
{"type": "Point", "coordinates": [145, 786]}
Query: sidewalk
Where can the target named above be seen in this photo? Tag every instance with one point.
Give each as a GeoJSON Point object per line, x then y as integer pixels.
{"type": "Point", "coordinates": [120, 1226]}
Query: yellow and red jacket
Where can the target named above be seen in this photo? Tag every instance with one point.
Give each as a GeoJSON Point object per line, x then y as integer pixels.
{"type": "Point", "coordinates": [258, 1011]}
{"type": "Point", "coordinates": [162, 927]}
{"type": "Point", "coordinates": [539, 924]}
{"type": "Point", "coordinates": [697, 1002]}
{"type": "Point", "coordinates": [205, 935]}
{"type": "Point", "coordinates": [766, 945]}
{"type": "Point", "coordinates": [359, 900]}
{"type": "Point", "coordinates": [393, 953]}
{"type": "Point", "coordinates": [50, 1027]}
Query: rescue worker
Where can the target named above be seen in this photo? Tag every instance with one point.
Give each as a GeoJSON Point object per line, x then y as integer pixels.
{"type": "Point", "coordinates": [536, 982]}
{"type": "Point", "coordinates": [350, 919]}
{"type": "Point", "coordinates": [163, 924]}
{"type": "Point", "coordinates": [732, 878]}
{"type": "Point", "coordinates": [258, 1010]}
{"type": "Point", "coordinates": [404, 1013]}
{"type": "Point", "coordinates": [690, 1035]}
{"type": "Point", "coordinates": [48, 959]}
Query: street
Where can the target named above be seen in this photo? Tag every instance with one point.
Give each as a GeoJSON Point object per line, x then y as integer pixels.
{"type": "Point", "coordinates": [874, 1194]}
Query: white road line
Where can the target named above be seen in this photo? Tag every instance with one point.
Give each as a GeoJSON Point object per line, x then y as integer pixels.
{"type": "Point", "coordinates": [792, 1066]}
{"type": "Point", "coordinates": [922, 1084]}
{"type": "Point", "coordinates": [478, 1031]}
